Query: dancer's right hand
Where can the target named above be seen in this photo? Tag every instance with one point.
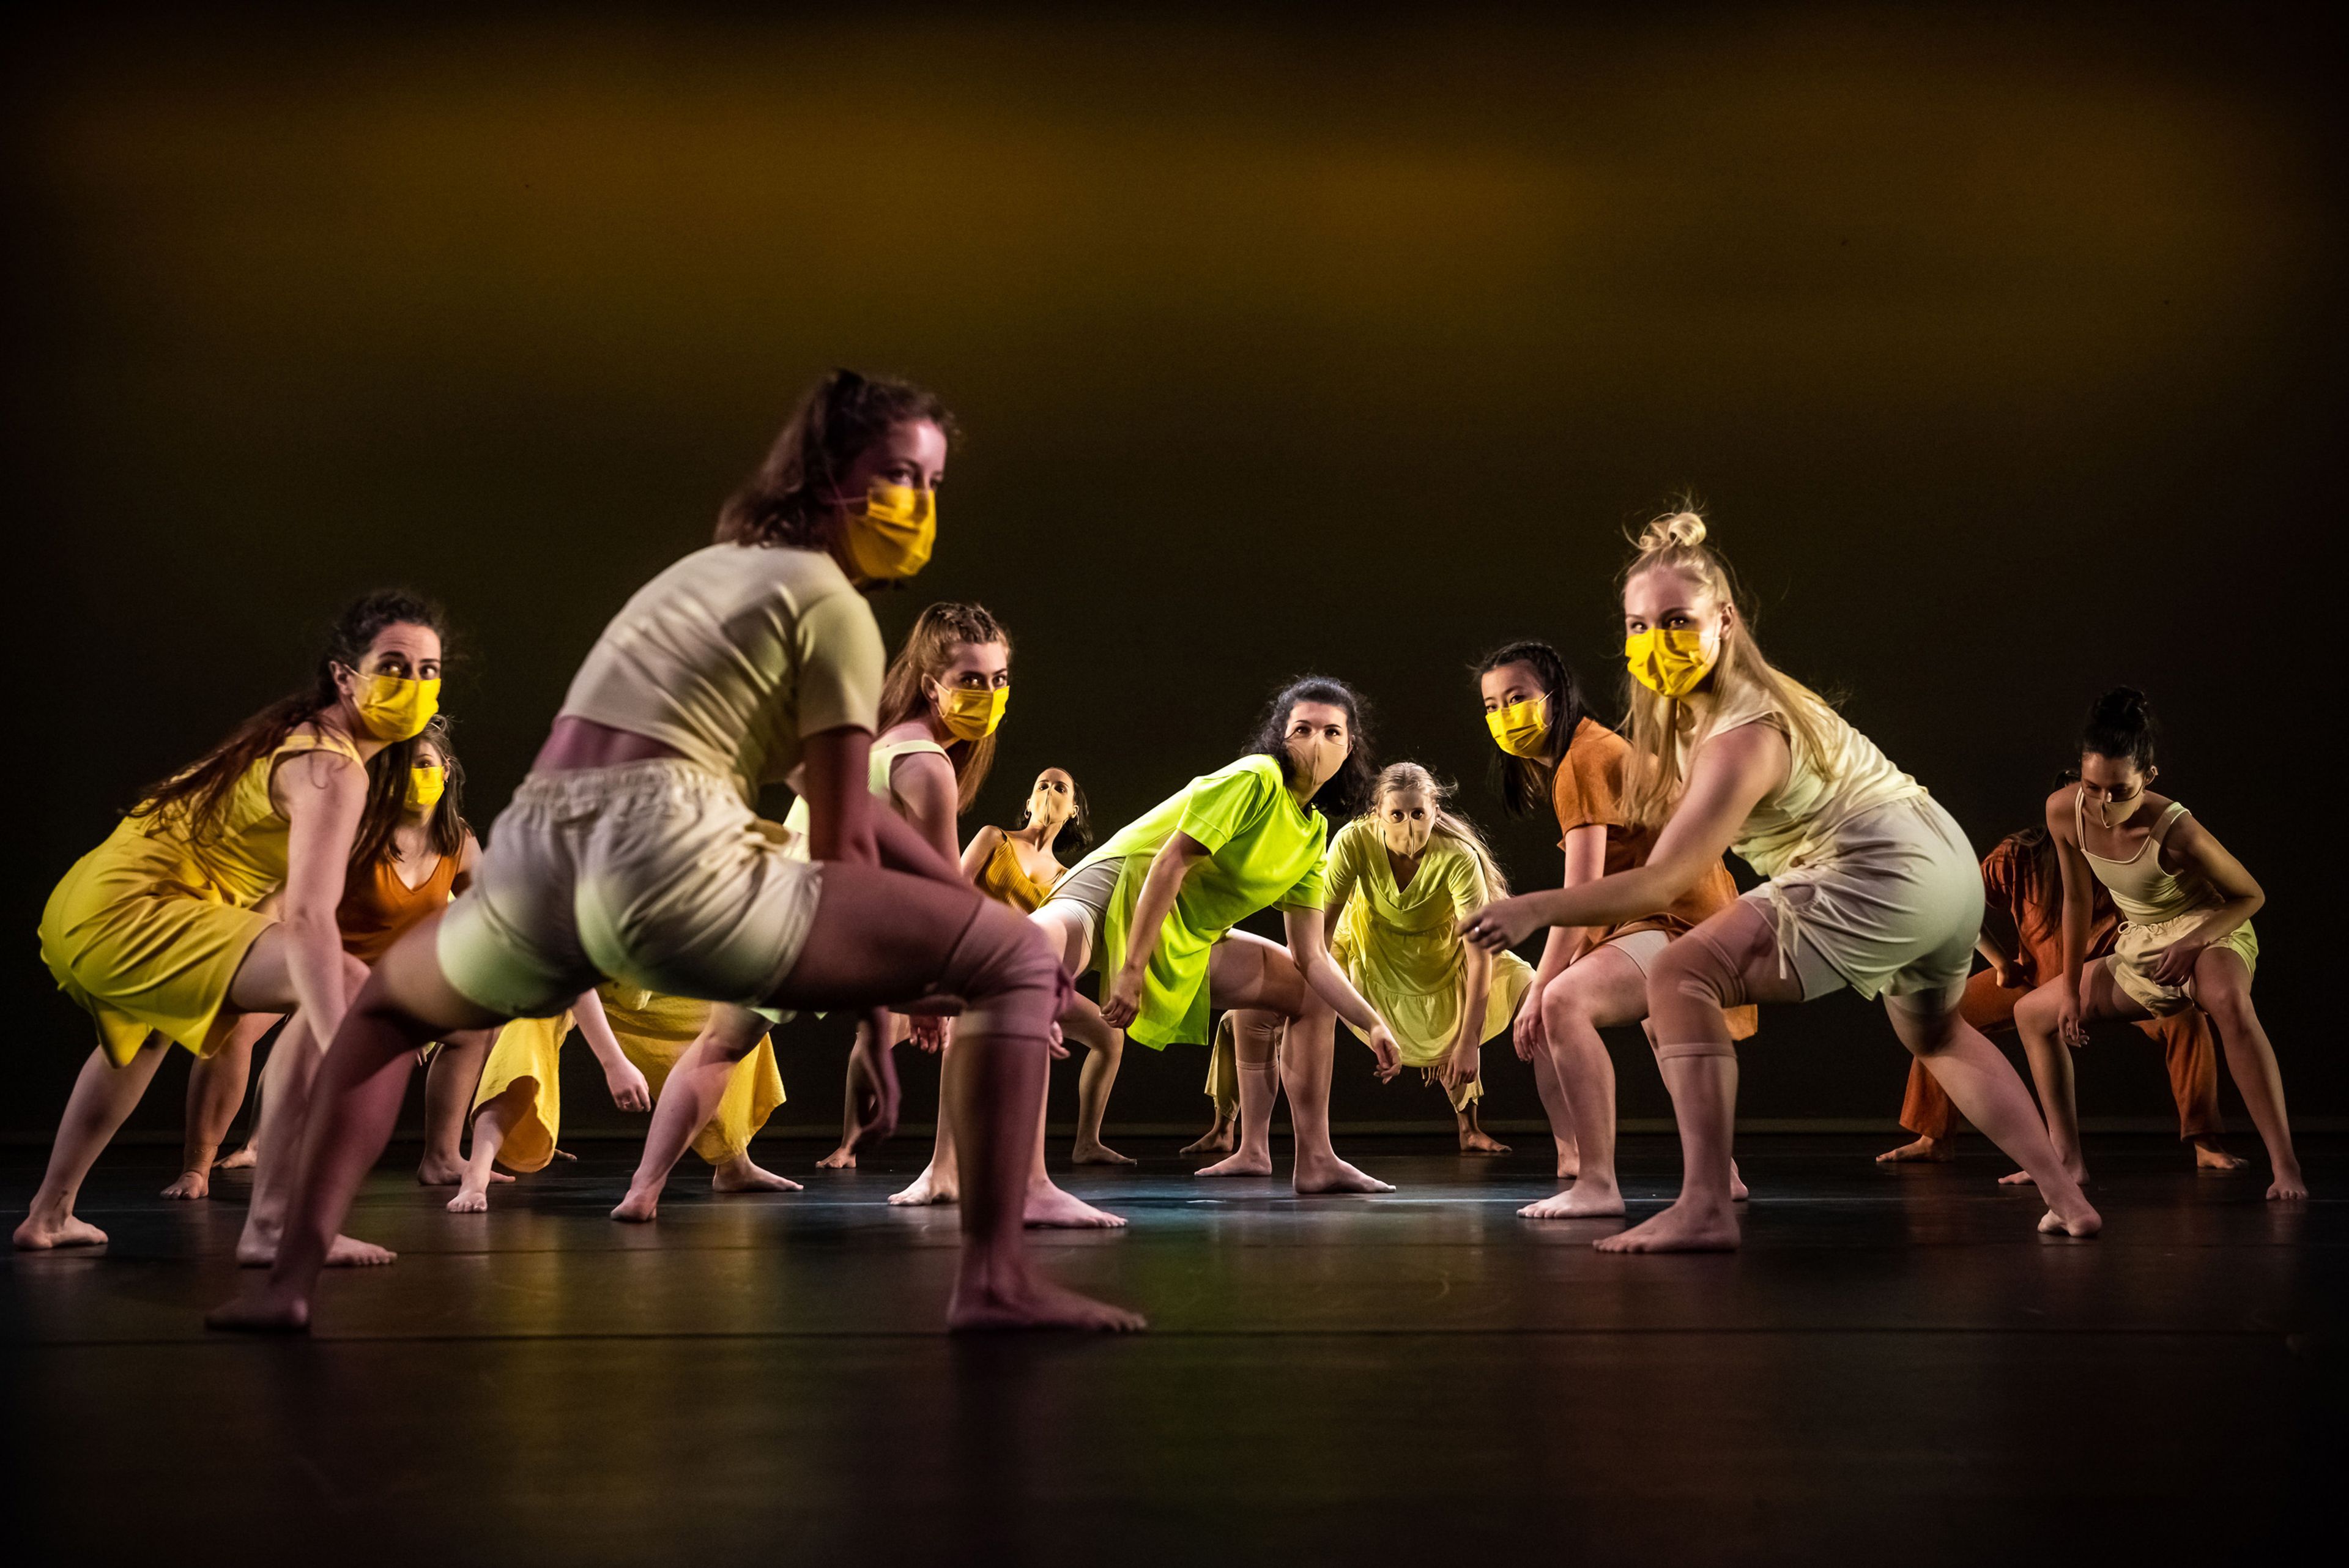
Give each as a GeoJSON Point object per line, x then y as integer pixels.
{"type": "Point", "coordinates": [2068, 1027]}
{"type": "Point", "coordinates": [1123, 1002]}
{"type": "Point", "coordinates": [629, 1090]}
{"type": "Point", "coordinates": [1527, 1033]}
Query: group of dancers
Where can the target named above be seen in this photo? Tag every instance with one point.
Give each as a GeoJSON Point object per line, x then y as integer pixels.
{"type": "Point", "coordinates": [315, 868]}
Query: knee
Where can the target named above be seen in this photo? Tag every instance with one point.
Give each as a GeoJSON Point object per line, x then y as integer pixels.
{"type": "Point", "coordinates": [2229, 1009]}
{"type": "Point", "coordinates": [355, 976]}
{"type": "Point", "coordinates": [1564, 1008]}
{"type": "Point", "coordinates": [1689, 972]}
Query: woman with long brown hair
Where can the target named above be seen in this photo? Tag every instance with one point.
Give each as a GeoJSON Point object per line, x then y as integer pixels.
{"type": "Point", "coordinates": [1870, 884]}
{"type": "Point", "coordinates": [158, 932]}
{"type": "Point", "coordinates": [632, 852]}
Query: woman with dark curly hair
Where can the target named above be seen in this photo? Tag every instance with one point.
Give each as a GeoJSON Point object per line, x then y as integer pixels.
{"type": "Point", "coordinates": [1154, 907]}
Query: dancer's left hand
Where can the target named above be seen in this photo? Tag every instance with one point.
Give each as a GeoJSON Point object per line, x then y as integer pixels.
{"type": "Point", "coordinates": [1382, 1046]}
{"type": "Point", "coordinates": [1500, 926]}
{"type": "Point", "coordinates": [2176, 964]}
{"type": "Point", "coordinates": [629, 1090]}
{"type": "Point", "coordinates": [1460, 1066]}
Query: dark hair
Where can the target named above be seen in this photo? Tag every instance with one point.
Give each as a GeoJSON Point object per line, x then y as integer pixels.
{"type": "Point", "coordinates": [447, 828]}
{"type": "Point", "coordinates": [929, 647]}
{"type": "Point", "coordinates": [1523, 783]}
{"type": "Point", "coordinates": [197, 798]}
{"type": "Point", "coordinates": [796, 491]}
{"type": "Point", "coordinates": [1081, 816]}
{"type": "Point", "coordinates": [2121, 725]}
{"type": "Point", "coordinates": [1348, 793]}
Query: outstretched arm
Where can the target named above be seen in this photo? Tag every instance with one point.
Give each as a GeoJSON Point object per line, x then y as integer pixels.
{"type": "Point", "coordinates": [1173, 863]}
{"type": "Point", "coordinates": [1331, 984]}
{"type": "Point", "coordinates": [1731, 773]}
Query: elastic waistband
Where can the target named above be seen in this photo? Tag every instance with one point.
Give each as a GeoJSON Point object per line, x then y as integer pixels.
{"type": "Point", "coordinates": [575, 789]}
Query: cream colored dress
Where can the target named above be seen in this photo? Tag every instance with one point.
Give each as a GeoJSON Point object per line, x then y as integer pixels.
{"type": "Point", "coordinates": [2157, 908]}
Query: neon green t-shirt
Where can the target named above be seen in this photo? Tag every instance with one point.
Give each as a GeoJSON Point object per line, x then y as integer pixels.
{"type": "Point", "coordinates": [1263, 849]}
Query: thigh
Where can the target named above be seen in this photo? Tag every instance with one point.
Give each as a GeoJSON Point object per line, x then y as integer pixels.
{"type": "Point", "coordinates": [407, 981]}
{"type": "Point", "coordinates": [2102, 998]}
{"type": "Point", "coordinates": [2221, 982]}
{"type": "Point", "coordinates": [1065, 931]}
{"type": "Point", "coordinates": [882, 937]}
{"type": "Point", "coordinates": [1739, 948]}
{"type": "Point", "coordinates": [263, 982]}
{"type": "Point", "coordinates": [1990, 1006]}
{"type": "Point", "coordinates": [1246, 971]}
{"type": "Point", "coordinates": [1605, 984]}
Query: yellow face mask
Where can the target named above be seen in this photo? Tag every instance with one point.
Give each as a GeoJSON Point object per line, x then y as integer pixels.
{"type": "Point", "coordinates": [1521, 728]}
{"type": "Point", "coordinates": [892, 537]}
{"type": "Point", "coordinates": [970, 713]}
{"type": "Point", "coordinates": [426, 786]}
{"type": "Point", "coordinates": [1670, 663]}
{"type": "Point", "coordinates": [393, 708]}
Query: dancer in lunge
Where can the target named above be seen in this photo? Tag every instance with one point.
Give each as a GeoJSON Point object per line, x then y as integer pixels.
{"type": "Point", "coordinates": [158, 932]}
{"type": "Point", "coordinates": [1871, 885]}
{"type": "Point", "coordinates": [632, 852]}
{"type": "Point", "coordinates": [1553, 753]}
{"type": "Point", "coordinates": [2185, 939]}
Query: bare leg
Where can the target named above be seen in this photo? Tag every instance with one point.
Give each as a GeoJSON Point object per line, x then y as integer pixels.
{"type": "Point", "coordinates": [492, 1123]}
{"type": "Point", "coordinates": [688, 1101]}
{"type": "Point", "coordinates": [1560, 1111]}
{"type": "Point", "coordinates": [2222, 986]}
{"type": "Point", "coordinates": [1985, 1088]}
{"type": "Point", "coordinates": [286, 1103]}
{"type": "Point", "coordinates": [1473, 1138]}
{"type": "Point", "coordinates": [1049, 1207]}
{"type": "Point", "coordinates": [450, 1085]}
{"type": "Point", "coordinates": [1223, 1134]}
{"type": "Point", "coordinates": [1926, 1111]}
{"type": "Point", "coordinates": [1256, 1058]}
{"type": "Point", "coordinates": [215, 1089]}
{"type": "Point", "coordinates": [1308, 1054]}
{"type": "Point", "coordinates": [740, 1173]}
{"type": "Point", "coordinates": [843, 1156]}
{"type": "Point", "coordinates": [1604, 988]}
{"type": "Point", "coordinates": [2051, 1060]}
{"type": "Point", "coordinates": [1105, 1048]}
{"type": "Point", "coordinates": [103, 1097]}
{"type": "Point", "coordinates": [940, 1181]}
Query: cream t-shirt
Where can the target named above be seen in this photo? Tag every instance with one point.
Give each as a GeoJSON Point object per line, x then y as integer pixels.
{"type": "Point", "coordinates": [732, 656]}
{"type": "Point", "coordinates": [1795, 824]}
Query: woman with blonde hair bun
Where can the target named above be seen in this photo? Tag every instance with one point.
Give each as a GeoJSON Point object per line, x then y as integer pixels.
{"type": "Point", "coordinates": [1870, 885]}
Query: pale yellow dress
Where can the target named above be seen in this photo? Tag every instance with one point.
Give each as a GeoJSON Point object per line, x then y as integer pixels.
{"type": "Point", "coordinates": [147, 930]}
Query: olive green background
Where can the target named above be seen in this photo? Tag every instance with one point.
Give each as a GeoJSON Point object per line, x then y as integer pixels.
{"type": "Point", "coordinates": [2003, 348]}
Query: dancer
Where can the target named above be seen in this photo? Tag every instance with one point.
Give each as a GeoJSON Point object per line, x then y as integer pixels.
{"type": "Point", "coordinates": [656, 1032]}
{"type": "Point", "coordinates": [940, 703]}
{"type": "Point", "coordinates": [2185, 939]}
{"type": "Point", "coordinates": [158, 932]}
{"type": "Point", "coordinates": [1871, 885]}
{"type": "Point", "coordinates": [630, 853]}
{"type": "Point", "coordinates": [1154, 907]}
{"type": "Point", "coordinates": [1551, 751]}
{"type": "Point", "coordinates": [1400, 880]}
{"type": "Point", "coordinates": [518, 1109]}
{"type": "Point", "coordinates": [2023, 938]}
{"type": "Point", "coordinates": [425, 860]}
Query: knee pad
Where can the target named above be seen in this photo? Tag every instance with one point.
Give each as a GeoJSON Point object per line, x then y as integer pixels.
{"type": "Point", "coordinates": [1696, 1048]}
{"type": "Point", "coordinates": [1004, 975]}
{"type": "Point", "coordinates": [1696, 968]}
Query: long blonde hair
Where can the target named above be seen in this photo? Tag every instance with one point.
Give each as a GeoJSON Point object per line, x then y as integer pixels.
{"type": "Point", "coordinates": [938, 633]}
{"type": "Point", "coordinates": [1402, 777]}
{"type": "Point", "coordinates": [1675, 543]}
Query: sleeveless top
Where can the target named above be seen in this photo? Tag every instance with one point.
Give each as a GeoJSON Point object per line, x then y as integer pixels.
{"type": "Point", "coordinates": [1795, 824]}
{"type": "Point", "coordinates": [378, 908]}
{"type": "Point", "coordinates": [1003, 880]}
{"type": "Point", "coordinates": [245, 860]}
{"type": "Point", "coordinates": [798, 823]}
{"type": "Point", "coordinates": [2145, 894]}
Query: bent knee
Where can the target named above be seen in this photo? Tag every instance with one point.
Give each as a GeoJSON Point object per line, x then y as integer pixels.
{"type": "Point", "coordinates": [1689, 971]}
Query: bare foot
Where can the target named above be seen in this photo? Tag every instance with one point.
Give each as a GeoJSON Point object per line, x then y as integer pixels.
{"type": "Point", "coordinates": [2209, 1155]}
{"type": "Point", "coordinates": [1334, 1175]}
{"type": "Point", "coordinates": [431, 1173]}
{"type": "Point", "coordinates": [192, 1184]}
{"type": "Point", "coordinates": [1050, 1209]}
{"type": "Point", "coordinates": [928, 1188]}
{"type": "Point", "coordinates": [1738, 1191]}
{"type": "Point", "coordinates": [262, 1311]}
{"type": "Point", "coordinates": [244, 1158]}
{"type": "Point", "coordinates": [2076, 1169]}
{"type": "Point", "coordinates": [1244, 1163]}
{"type": "Point", "coordinates": [469, 1201]}
{"type": "Point", "coordinates": [342, 1252]}
{"type": "Point", "coordinates": [2086, 1223]}
{"type": "Point", "coordinates": [841, 1158]}
{"type": "Point", "coordinates": [1476, 1141]}
{"type": "Point", "coordinates": [1584, 1200]}
{"type": "Point", "coordinates": [2288, 1187]}
{"type": "Point", "coordinates": [638, 1208]}
{"type": "Point", "coordinates": [1098, 1153]}
{"type": "Point", "coordinates": [1033, 1303]}
{"type": "Point", "coordinates": [38, 1235]}
{"type": "Point", "coordinates": [1685, 1227]}
{"type": "Point", "coordinates": [1221, 1138]}
{"type": "Point", "coordinates": [739, 1175]}
{"type": "Point", "coordinates": [1928, 1150]}
{"type": "Point", "coordinates": [1569, 1162]}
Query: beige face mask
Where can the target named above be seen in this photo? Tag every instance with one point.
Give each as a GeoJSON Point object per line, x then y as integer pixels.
{"type": "Point", "coordinates": [1406, 835]}
{"type": "Point", "coordinates": [1317, 758]}
{"type": "Point", "coordinates": [2115, 813]}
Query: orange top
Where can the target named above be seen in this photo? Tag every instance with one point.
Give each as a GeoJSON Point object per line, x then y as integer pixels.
{"type": "Point", "coordinates": [1588, 790]}
{"type": "Point", "coordinates": [2039, 922]}
{"type": "Point", "coordinates": [377, 911]}
{"type": "Point", "coordinates": [1003, 880]}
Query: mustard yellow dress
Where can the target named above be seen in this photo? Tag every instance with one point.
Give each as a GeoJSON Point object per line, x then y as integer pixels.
{"type": "Point", "coordinates": [653, 1031]}
{"type": "Point", "coordinates": [147, 930]}
{"type": "Point", "coordinates": [1402, 949]}
{"type": "Point", "coordinates": [1003, 880]}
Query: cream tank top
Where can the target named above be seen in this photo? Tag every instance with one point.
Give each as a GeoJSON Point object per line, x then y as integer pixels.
{"type": "Point", "coordinates": [1796, 823]}
{"type": "Point", "coordinates": [798, 824]}
{"type": "Point", "coordinates": [2145, 894]}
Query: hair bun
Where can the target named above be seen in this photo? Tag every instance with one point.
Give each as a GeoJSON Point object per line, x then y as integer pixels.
{"type": "Point", "coordinates": [1673, 531]}
{"type": "Point", "coordinates": [2123, 706]}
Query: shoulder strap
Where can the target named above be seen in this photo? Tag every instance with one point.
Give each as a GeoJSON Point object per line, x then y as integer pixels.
{"type": "Point", "coordinates": [319, 740]}
{"type": "Point", "coordinates": [2080, 816]}
{"type": "Point", "coordinates": [2168, 820]}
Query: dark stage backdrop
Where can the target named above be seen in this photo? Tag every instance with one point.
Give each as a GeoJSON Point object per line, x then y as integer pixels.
{"type": "Point", "coordinates": [2003, 348]}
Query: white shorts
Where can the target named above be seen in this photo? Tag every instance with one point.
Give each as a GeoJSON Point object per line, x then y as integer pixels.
{"type": "Point", "coordinates": [1895, 910]}
{"type": "Point", "coordinates": [1088, 890]}
{"type": "Point", "coordinates": [652, 873]}
{"type": "Point", "coordinates": [1643, 948]}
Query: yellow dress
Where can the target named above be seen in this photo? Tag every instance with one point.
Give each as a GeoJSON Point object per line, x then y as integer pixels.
{"type": "Point", "coordinates": [147, 931]}
{"type": "Point", "coordinates": [528, 1052]}
{"type": "Point", "coordinates": [654, 1031]}
{"type": "Point", "coordinates": [1002, 880]}
{"type": "Point", "coordinates": [1401, 948]}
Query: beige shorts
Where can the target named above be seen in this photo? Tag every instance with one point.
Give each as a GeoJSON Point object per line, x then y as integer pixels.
{"type": "Point", "coordinates": [1895, 910]}
{"type": "Point", "coordinates": [653, 873]}
{"type": "Point", "coordinates": [1087, 891]}
{"type": "Point", "coordinates": [1643, 948]}
{"type": "Point", "coordinates": [2136, 948]}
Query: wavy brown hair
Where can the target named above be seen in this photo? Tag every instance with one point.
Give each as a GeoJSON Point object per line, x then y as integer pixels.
{"type": "Point", "coordinates": [195, 800]}
{"type": "Point", "coordinates": [447, 828]}
{"type": "Point", "coordinates": [1347, 792]}
{"type": "Point", "coordinates": [790, 500]}
{"type": "Point", "coordinates": [938, 633]}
